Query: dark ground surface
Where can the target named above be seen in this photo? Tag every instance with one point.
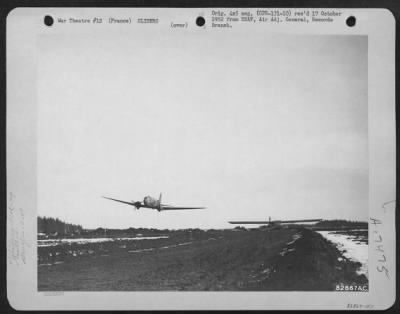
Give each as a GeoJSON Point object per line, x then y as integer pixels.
{"type": "Point", "coordinates": [256, 260]}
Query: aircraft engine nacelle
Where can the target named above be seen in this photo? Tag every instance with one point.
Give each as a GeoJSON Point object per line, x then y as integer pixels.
{"type": "Point", "coordinates": [150, 202]}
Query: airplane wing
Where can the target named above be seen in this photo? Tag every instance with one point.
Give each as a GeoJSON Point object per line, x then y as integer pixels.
{"type": "Point", "coordinates": [168, 207]}
{"type": "Point", "coordinates": [273, 221]}
{"type": "Point", "coordinates": [113, 199]}
{"type": "Point", "coordinates": [295, 221]}
{"type": "Point", "coordinates": [250, 222]}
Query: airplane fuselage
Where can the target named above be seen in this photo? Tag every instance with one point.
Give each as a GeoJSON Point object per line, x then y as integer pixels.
{"type": "Point", "coordinates": [151, 202]}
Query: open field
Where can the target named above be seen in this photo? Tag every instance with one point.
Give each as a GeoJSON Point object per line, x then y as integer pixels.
{"type": "Point", "coordinates": [274, 260]}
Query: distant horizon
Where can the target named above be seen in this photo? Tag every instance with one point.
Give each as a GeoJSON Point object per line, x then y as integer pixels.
{"type": "Point", "coordinates": [233, 225]}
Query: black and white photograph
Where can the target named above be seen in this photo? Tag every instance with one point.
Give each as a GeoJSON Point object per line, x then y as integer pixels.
{"type": "Point", "coordinates": [125, 131]}
{"type": "Point", "coordinates": [199, 158]}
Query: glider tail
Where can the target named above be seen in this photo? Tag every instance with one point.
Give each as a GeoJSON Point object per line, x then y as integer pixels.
{"type": "Point", "coordinates": [159, 201]}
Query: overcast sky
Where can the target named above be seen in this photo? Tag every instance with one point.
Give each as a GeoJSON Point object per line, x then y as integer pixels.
{"type": "Point", "coordinates": [248, 126]}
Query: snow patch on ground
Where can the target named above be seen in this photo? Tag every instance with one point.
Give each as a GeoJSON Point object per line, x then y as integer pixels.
{"type": "Point", "coordinates": [351, 248]}
{"type": "Point", "coordinates": [138, 251]}
{"type": "Point", "coordinates": [184, 243]}
{"type": "Point", "coordinates": [286, 250]}
{"type": "Point", "coordinates": [161, 248]}
{"type": "Point", "coordinates": [294, 238]}
{"type": "Point", "coordinates": [55, 242]}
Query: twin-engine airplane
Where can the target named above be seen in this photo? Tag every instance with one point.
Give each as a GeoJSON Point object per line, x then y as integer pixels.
{"type": "Point", "coordinates": [152, 203]}
{"type": "Point", "coordinates": [272, 222]}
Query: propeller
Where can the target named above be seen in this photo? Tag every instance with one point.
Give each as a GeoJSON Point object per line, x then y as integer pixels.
{"type": "Point", "coordinates": [137, 205]}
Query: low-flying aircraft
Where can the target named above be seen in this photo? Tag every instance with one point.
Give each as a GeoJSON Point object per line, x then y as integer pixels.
{"type": "Point", "coordinates": [272, 223]}
{"type": "Point", "coordinates": [152, 203]}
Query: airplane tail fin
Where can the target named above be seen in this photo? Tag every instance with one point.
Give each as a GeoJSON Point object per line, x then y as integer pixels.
{"type": "Point", "coordinates": [159, 201]}
{"type": "Point", "coordinates": [269, 219]}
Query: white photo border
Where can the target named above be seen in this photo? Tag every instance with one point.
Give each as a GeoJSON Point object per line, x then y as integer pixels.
{"type": "Point", "coordinates": [25, 24]}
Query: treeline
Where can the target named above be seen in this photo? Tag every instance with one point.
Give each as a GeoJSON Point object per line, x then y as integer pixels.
{"type": "Point", "coordinates": [50, 225]}
{"type": "Point", "coordinates": [342, 223]}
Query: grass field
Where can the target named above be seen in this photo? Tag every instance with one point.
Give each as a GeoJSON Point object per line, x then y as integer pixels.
{"type": "Point", "coordinates": [279, 260]}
